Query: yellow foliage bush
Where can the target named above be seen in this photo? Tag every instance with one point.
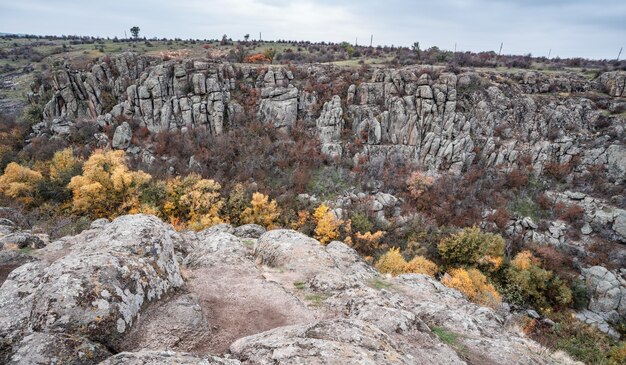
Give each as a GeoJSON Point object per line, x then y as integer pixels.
{"type": "Point", "coordinates": [421, 265]}
{"type": "Point", "coordinates": [472, 247]}
{"type": "Point", "coordinates": [63, 166]}
{"type": "Point", "coordinates": [236, 203]}
{"type": "Point", "coordinates": [618, 354]}
{"type": "Point", "coordinates": [327, 225]}
{"type": "Point", "coordinates": [391, 262]}
{"type": "Point", "coordinates": [474, 285]}
{"type": "Point", "coordinates": [107, 188]}
{"type": "Point", "coordinates": [262, 211]}
{"type": "Point", "coordinates": [523, 260]}
{"type": "Point", "coordinates": [194, 199]}
{"type": "Point", "coordinates": [20, 183]}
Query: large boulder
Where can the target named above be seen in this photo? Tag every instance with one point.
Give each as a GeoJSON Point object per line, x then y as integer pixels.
{"type": "Point", "coordinates": [98, 289]}
{"type": "Point", "coordinates": [177, 324]}
{"type": "Point", "coordinates": [122, 136]}
{"type": "Point", "coordinates": [329, 127]}
{"type": "Point", "coordinates": [249, 231]}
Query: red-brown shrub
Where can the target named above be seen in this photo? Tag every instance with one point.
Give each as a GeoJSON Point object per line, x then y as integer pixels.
{"type": "Point", "coordinates": [557, 171]}
{"type": "Point", "coordinates": [516, 179]}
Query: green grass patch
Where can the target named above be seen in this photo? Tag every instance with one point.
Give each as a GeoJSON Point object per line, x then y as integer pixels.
{"type": "Point", "coordinates": [526, 207]}
{"type": "Point", "coordinates": [26, 251]}
{"type": "Point", "coordinates": [379, 283]}
{"type": "Point", "coordinates": [298, 285]}
{"type": "Point", "coordinates": [316, 299]}
{"type": "Point", "coordinates": [446, 336]}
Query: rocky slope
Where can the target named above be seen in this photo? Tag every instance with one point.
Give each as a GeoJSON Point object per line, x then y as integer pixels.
{"type": "Point", "coordinates": [134, 291]}
{"type": "Point", "coordinates": [441, 120]}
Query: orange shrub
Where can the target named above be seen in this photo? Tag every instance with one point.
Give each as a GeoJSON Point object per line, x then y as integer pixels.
{"type": "Point", "coordinates": [257, 58]}
{"type": "Point", "coordinates": [474, 285]}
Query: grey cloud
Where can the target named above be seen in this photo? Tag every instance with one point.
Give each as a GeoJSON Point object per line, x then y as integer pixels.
{"type": "Point", "coordinates": [586, 28]}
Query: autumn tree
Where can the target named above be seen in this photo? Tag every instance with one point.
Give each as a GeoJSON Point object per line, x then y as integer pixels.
{"type": "Point", "coordinates": [60, 170]}
{"type": "Point", "coordinates": [327, 225]}
{"type": "Point", "coordinates": [63, 166]}
{"type": "Point", "coordinates": [421, 265]}
{"type": "Point", "coordinates": [204, 204]}
{"type": "Point", "coordinates": [20, 183]}
{"type": "Point", "coordinates": [107, 187]}
{"type": "Point", "coordinates": [367, 242]}
{"type": "Point", "coordinates": [391, 262]}
{"type": "Point", "coordinates": [261, 211]}
{"type": "Point", "coordinates": [417, 183]}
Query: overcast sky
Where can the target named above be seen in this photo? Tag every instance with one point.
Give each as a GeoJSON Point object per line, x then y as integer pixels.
{"type": "Point", "coordinates": [571, 28]}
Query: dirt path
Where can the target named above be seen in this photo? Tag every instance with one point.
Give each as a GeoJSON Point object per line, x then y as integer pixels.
{"type": "Point", "coordinates": [239, 302]}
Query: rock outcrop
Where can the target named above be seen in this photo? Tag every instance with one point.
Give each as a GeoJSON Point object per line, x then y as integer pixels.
{"type": "Point", "coordinates": [134, 291]}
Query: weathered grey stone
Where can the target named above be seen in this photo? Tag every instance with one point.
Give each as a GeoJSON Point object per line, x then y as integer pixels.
{"type": "Point", "coordinates": [146, 357]}
{"type": "Point", "coordinates": [607, 292]}
{"type": "Point", "coordinates": [321, 343]}
{"type": "Point", "coordinates": [329, 127]}
{"type": "Point", "coordinates": [177, 324]}
{"type": "Point", "coordinates": [57, 348]}
{"type": "Point", "coordinates": [20, 240]}
{"type": "Point", "coordinates": [122, 136]}
{"type": "Point", "coordinates": [249, 231]}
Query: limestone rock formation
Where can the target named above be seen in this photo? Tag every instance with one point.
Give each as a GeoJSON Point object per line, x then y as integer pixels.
{"type": "Point", "coordinates": [614, 83]}
{"type": "Point", "coordinates": [329, 127]}
{"type": "Point", "coordinates": [279, 99]}
{"type": "Point", "coordinates": [165, 358]}
{"type": "Point", "coordinates": [419, 114]}
{"type": "Point", "coordinates": [607, 293]}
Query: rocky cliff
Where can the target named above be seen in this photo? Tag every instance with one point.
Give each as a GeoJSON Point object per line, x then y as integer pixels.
{"type": "Point", "coordinates": [134, 291]}
{"type": "Point", "coordinates": [440, 120]}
